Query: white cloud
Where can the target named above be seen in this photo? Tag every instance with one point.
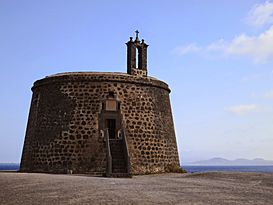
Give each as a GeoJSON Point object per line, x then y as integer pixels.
{"type": "Point", "coordinates": [221, 44]}
{"type": "Point", "coordinates": [183, 50]}
{"type": "Point", "coordinates": [261, 14]}
{"type": "Point", "coordinates": [258, 48]}
{"type": "Point", "coordinates": [269, 94]}
{"type": "Point", "coordinates": [243, 109]}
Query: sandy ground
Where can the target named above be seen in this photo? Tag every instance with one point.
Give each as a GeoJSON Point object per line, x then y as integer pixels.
{"type": "Point", "coordinates": [205, 188]}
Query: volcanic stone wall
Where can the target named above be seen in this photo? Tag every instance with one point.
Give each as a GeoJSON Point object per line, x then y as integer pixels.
{"type": "Point", "coordinates": [63, 126]}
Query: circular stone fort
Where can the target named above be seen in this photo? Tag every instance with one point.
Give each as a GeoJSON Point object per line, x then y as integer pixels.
{"type": "Point", "coordinates": [102, 123]}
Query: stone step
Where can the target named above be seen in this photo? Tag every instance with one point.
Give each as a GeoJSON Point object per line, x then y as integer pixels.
{"type": "Point", "coordinates": [118, 166]}
{"type": "Point", "coordinates": [119, 170]}
{"type": "Point", "coordinates": [117, 156]}
{"type": "Point", "coordinates": [115, 142]}
{"type": "Point", "coordinates": [116, 148]}
{"type": "Point", "coordinates": [124, 175]}
{"type": "Point", "coordinates": [118, 160]}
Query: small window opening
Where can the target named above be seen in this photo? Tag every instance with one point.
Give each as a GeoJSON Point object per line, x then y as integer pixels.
{"type": "Point", "coordinates": [111, 94]}
{"type": "Point", "coordinates": [137, 58]}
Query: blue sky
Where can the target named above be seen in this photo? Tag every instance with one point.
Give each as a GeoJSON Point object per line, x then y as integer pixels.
{"type": "Point", "coordinates": [215, 55]}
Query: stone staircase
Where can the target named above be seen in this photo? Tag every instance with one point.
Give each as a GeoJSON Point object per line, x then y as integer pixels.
{"type": "Point", "coordinates": [119, 167]}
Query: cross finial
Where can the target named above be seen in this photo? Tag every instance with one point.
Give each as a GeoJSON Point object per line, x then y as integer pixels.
{"type": "Point", "coordinates": [137, 32]}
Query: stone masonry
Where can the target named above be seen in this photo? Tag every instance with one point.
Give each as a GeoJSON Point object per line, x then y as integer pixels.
{"type": "Point", "coordinates": [65, 125]}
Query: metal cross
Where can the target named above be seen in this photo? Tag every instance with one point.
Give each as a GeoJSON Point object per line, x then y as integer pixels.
{"type": "Point", "coordinates": [137, 32]}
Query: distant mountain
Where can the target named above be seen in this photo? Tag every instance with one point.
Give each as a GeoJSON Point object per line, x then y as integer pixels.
{"type": "Point", "coordinates": [217, 161]}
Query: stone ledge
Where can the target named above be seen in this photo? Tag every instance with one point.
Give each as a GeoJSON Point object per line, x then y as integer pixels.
{"type": "Point", "coordinates": [101, 77]}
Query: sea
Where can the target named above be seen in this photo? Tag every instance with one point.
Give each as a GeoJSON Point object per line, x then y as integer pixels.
{"type": "Point", "coordinates": [9, 166]}
{"type": "Point", "coordinates": [194, 169]}
{"type": "Point", "coordinates": [189, 169]}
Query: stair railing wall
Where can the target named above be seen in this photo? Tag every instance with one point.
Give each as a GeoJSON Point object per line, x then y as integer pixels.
{"type": "Point", "coordinates": [126, 151]}
{"type": "Point", "coordinates": [109, 157]}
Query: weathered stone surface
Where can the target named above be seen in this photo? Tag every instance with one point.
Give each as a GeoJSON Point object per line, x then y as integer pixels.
{"type": "Point", "coordinates": [71, 114]}
{"type": "Point", "coordinates": [63, 126]}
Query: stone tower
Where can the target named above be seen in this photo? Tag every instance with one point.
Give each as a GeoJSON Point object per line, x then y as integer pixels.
{"type": "Point", "coordinates": [141, 48]}
{"type": "Point", "coordinates": [113, 124]}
